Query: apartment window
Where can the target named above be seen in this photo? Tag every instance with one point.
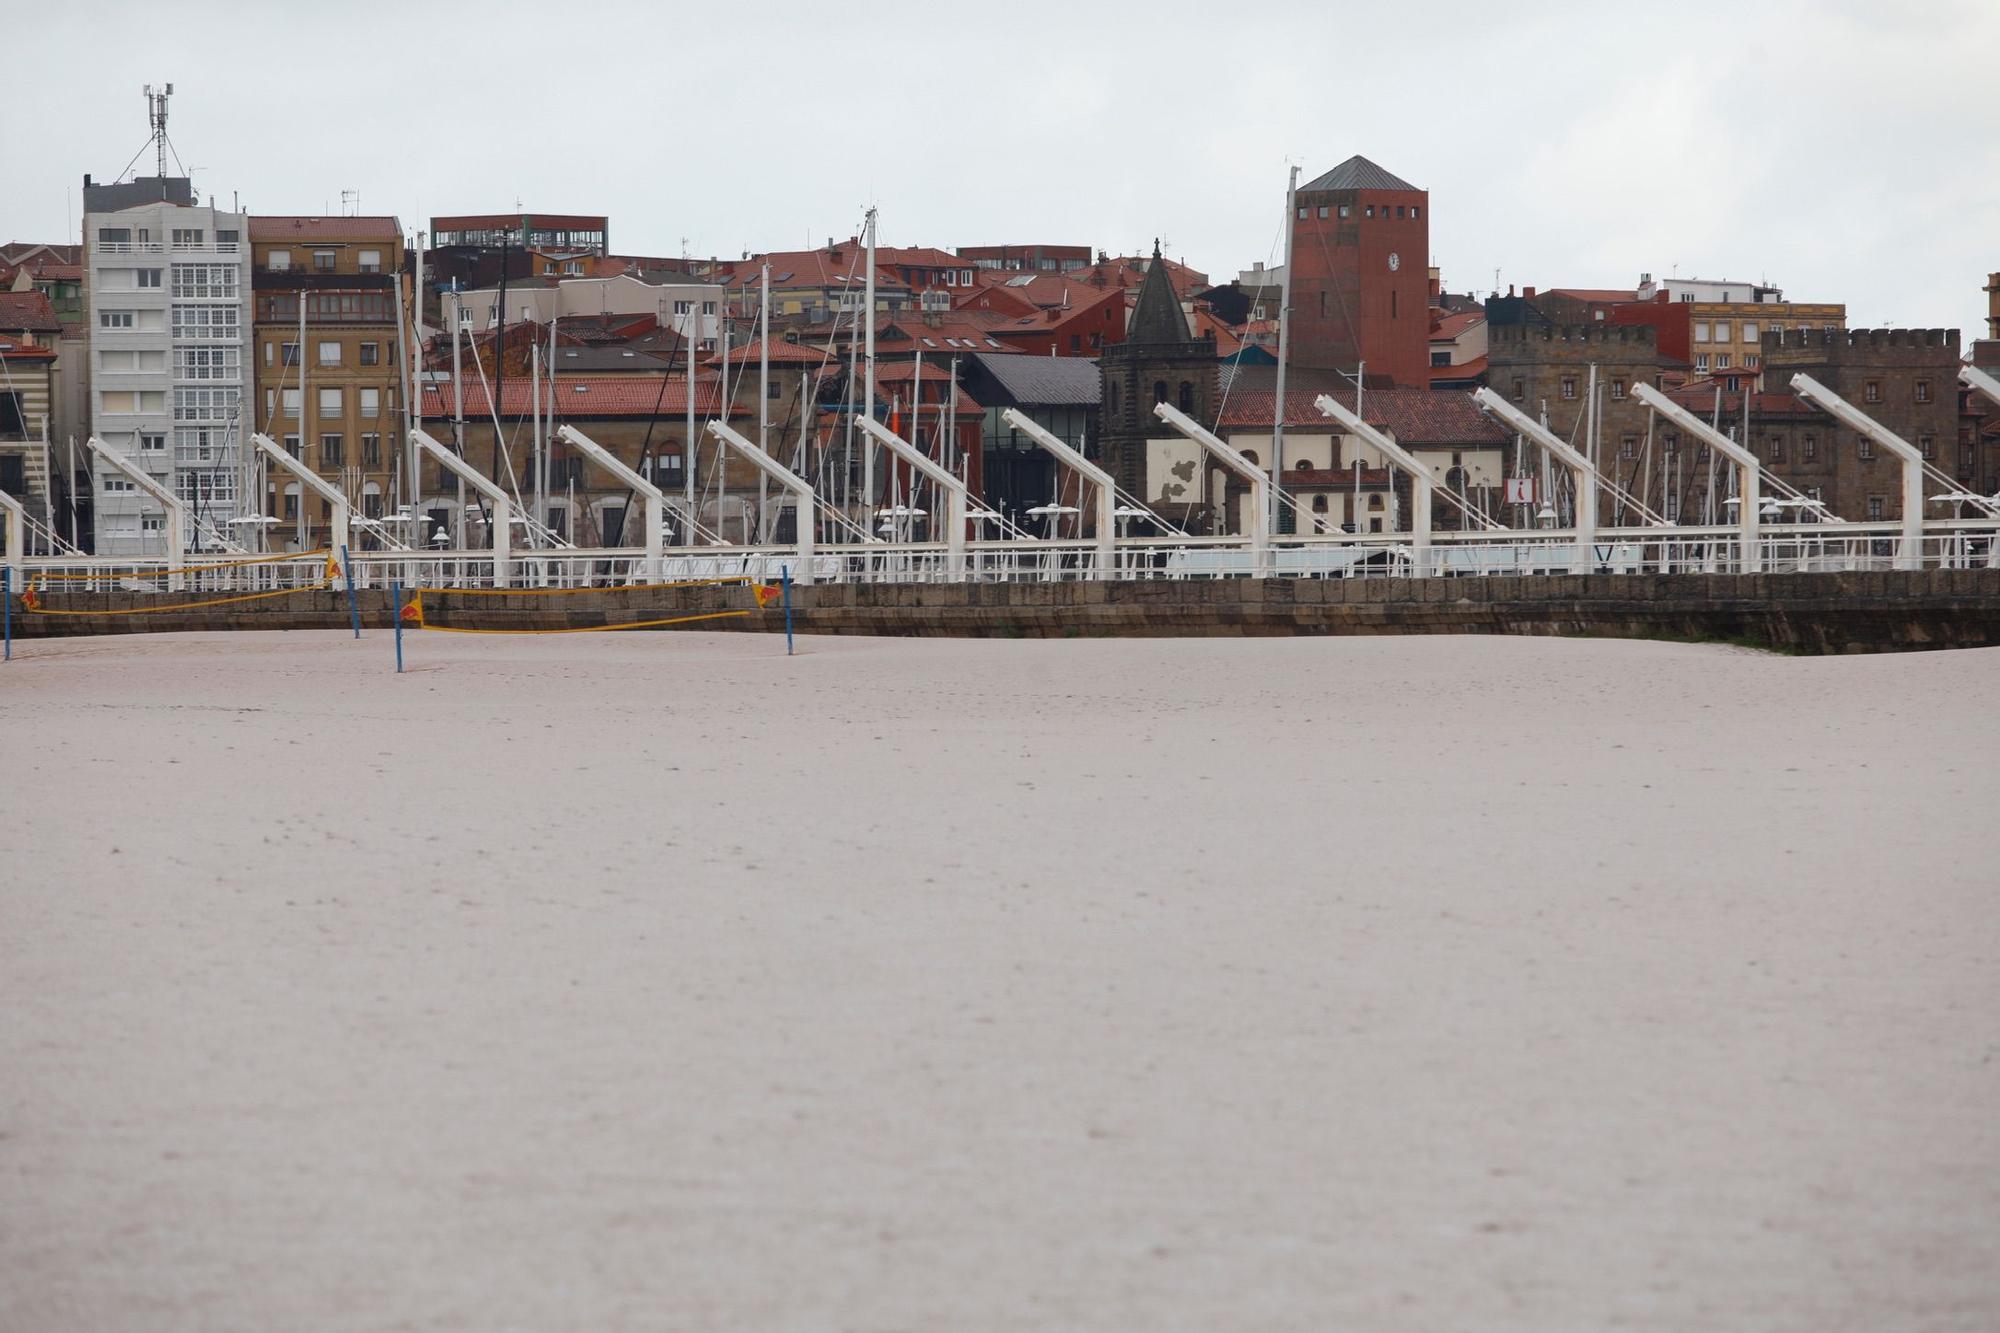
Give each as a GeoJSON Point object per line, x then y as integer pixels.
{"type": "Point", "coordinates": [1304, 212]}
{"type": "Point", "coordinates": [1864, 447]}
{"type": "Point", "coordinates": [1923, 391]}
{"type": "Point", "coordinates": [687, 307]}
{"type": "Point", "coordinates": [292, 504]}
{"type": "Point", "coordinates": [227, 237]}
{"type": "Point", "coordinates": [290, 353]}
{"type": "Point", "coordinates": [1722, 331]}
{"type": "Point", "coordinates": [1520, 385]}
{"type": "Point", "coordinates": [114, 319]}
{"type": "Point", "coordinates": [146, 277]}
{"type": "Point", "coordinates": [206, 404]}
{"type": "Point", "coordinates": [1628, 446]}
{"type": "Point", "coordinates": [291, 402]}
{"type": "Point", "coordinates": [371, 450]}
{"type": "Point", "coordinates": [708, 307]}
{"type": "Point", "coordinates": [1324, 210]}
{"type": "Point", "coordinates": [114, 236]}
{"type": "Point", "coordinates": [1569, 386]}
{"type": "Point", "coordinates": [1416, 210]}
{"type": "Point", "coordinates": [1965, 462]}
{"type": "Point", "coordinates": [1617, 386]}
{"type": "Point", "coordinates": [1701, 361]}
{"type": "Point", "coordinates": [371, 354]}
{"type": "Point", "coordinates": [329, 354]}
{"type": "Point", "coordinates": [211, 281]}
{"type": "Point", "coordinates": [1368, 211]}
{"type": "Point", "coordinates": [1872, 391]}
{"type": "Point", "coordinates": [1777, 448]}
{"type": "Point", "coordinates": [207, 363]}
{"type": "Point", "coordinates": [120, 484]}
{"type": "Point", "coordinates": [332, 451]}
{"type": "Point", "coordinates": [1673, 509]}
{"type": "Point", "coordinates": [152, 523]}
{"type": "Point", "coordinates": [1752, 360]}
{"type": "Point", "coordinates": [371, 504]}
{"type": "Point", "coordinates": [1701, 332]}
{"type": "Point", "coordinates": [152, 441]}
{"type": "Point", "coordinates": [1876, 506]}
{"type": "Point", "coordinates": [1402, 210]}
{"type": "Point", "coordinates": [573, 267]}
{"type": "Point", "coordinates": [371, 402]}
{"type": "Point", "coordinates": [1809, 448]}
{"type": "Point", "coordinates": [1722, 360]}
{"type": "Point", "coordinates": [369, 261]}
{"type": "Point", "coordinates": [1749, 332]}
{"type": "Point", "coordinates": [322, 261]}
{"type": "Point", "coordinates": [329, 402]}
{"type": "Point", "coordinates": [187, 236]}
{"type": "Point", "coordinates": [1927, 445]}
{"type": "Point", "coordinates": [208, 323]}
{"type": "Point", "coordinates": [1347, 210]}
{"type": "Point", "coordinates": [279, 261]}
{"type": "Point", "coordinates": [1670, 443]}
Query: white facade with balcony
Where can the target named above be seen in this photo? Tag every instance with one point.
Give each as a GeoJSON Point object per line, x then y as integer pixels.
{"type": "Point", "coordinates": [169, 292]}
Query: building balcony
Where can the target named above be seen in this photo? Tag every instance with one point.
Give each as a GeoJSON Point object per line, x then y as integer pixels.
{"type": "Point", "coordinates": [306, 279]}
{"type": "Point", "coordinates": [131, 248]}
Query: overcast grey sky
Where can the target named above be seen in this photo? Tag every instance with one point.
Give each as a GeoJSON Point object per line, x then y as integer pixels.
{"type": "Point", "coordinates": [1846, 151]}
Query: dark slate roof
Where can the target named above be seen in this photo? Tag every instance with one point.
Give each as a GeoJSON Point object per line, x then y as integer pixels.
{"type": "Point", "coordinates": [1358, 173]}
{"type": "Point", "coordinates": [1157, 317]}
{"type": "Point", "coordinates": [1043, 381]}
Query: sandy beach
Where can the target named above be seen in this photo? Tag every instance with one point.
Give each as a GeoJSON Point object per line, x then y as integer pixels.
{"type": "Point", "coordinates": [643, 981]}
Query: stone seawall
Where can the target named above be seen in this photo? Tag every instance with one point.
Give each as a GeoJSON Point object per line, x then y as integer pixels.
{"type": "Point", "coordinates": [1813, 613]}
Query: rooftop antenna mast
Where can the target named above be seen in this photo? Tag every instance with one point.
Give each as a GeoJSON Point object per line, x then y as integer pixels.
{"type": "Point", "coordinates": [156, 115]}
{"type": "Point", "coordinates": [350, 203]}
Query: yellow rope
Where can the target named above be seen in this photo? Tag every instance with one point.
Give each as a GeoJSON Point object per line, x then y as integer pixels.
{"type": "Point", "coordinates": [38, 609]}
{"type": "Point", "coordinates": [109, 576]}
{"type": "Point", "coordinates": [557, 592]}
{"type": "Point", "coordinates": [580, 629]}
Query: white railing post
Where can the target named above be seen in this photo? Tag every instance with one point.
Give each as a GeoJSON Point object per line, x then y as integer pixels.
{"type": "Point", "coordinates": [503, 507]}
{"type": "Point", "coordinates": [1260, 482]}
{"type": "Point", "coordinates": [1420, 479]}
{"type": "Point", "coordinates": [954, 489]}
{"type": "Point", "coordinates": [1911, 553]}
{"type": "Point", "coordinates": [1750, 473]}
{"type": "Point", "coordinates": [1105, 504]}
{"type": "Point", "coordinates": [656, 501]}
{"type": "Point", "coordinates": [1582, 471]}
{"type": "Point", "coordinates": [808, 508]}
{"type": "Point", "coordinates": [176, 519]}
{"type": "Point", "coordinates": [15, 518]}
{"type": "Point", "coordinates": [311, 480]}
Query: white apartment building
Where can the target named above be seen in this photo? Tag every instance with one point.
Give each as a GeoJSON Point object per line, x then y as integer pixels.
{"type": "Point", "coordinates": [169, 301]}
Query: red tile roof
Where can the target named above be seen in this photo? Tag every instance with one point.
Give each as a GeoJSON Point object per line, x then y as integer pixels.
{"type": "Point", "coordinates": [578, 396]}
{"type": "Point", "coordinates": [1450, 326]}
{"type": "Point", "coordinates": [280, 228]}
{"type": "Point", "coordinates": [1463, 371]}
{"type": "Point", "coordinates": [783, 353]}
{"type": "Point", "coordinates": [28, 312]}
{"type": "Point", "coordinates": [1413, 416]}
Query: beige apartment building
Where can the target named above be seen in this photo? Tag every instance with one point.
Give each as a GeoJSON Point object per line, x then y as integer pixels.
{"type": "Point", "coordinates": [328, 341]}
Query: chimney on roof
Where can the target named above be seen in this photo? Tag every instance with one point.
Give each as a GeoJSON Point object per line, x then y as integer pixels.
{"type": "Point", "coordinates": [1528, 292]}
{"type": "Point", "coordinates": [1510, 289]}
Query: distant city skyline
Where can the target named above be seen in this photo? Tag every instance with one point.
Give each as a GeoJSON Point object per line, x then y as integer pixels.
{"type": "Point", "coordinates": [1844, 152]}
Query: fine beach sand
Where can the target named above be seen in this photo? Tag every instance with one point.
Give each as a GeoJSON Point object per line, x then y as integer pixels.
{"type": "Point", "coordinates": [644, 981]}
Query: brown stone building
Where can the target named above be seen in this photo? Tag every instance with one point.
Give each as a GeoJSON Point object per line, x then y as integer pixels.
{"type": "Point", "coordinates": [1360, 275]}
{"type": "Point", "coordinates": [1159, 361]}
{"type": "Point", "coordinates": [328, 389]}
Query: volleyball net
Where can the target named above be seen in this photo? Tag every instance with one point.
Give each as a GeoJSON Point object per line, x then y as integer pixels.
{"type": "Point", "coordinates": [228, 577]}
{"type": "Point", "coordinates": [415, 609]}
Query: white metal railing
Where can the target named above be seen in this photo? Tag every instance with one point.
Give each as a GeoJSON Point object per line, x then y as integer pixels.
{"type": "Point", "coordinates": [1802, 548]}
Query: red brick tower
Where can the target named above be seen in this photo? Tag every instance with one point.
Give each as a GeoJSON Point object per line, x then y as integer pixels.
{"type": "Point", "coordinates": [1360, 276]}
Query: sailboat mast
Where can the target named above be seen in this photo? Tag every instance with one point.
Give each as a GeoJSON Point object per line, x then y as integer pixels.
{"type": "Point", "coordinates": [868, 357]}
{"type": "Point", "coordinates": [763, 398]}
{"type": "Point", "coordinates": [1284, 349]}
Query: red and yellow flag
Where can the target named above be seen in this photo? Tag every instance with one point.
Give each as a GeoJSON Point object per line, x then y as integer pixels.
{"type": "Point", "coordinates": [31, 600]}
{"type": "Point", "coordinates": [767, 593]}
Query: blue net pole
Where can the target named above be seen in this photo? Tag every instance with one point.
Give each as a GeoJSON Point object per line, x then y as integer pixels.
{"type": "Point", "coordinates": [396, 610]}
{"type": "Point", "coordinates": [7, 601]}
{"type": "Point", "coordinates": [785, 576]}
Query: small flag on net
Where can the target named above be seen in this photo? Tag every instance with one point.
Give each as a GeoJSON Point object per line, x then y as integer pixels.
{"type": "Point", "coordinates": [767, 593]}
{"type": "Point", "coordinates": [31, 600]}
{"type": "Point", "coordinates": [414, 610]}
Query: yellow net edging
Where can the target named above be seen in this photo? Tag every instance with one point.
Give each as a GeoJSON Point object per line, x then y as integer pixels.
{"type": "Point", "coordinates": [421, 623]}
{"type": "Point", "coordinates": [31, 599]}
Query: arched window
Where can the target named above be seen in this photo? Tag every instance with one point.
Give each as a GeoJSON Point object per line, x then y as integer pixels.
{"type": "Point", "coordinates": [1303, 465]}
{"type": "Point", "coordinates": [1374, 502]}
{"type": "Point", "coordinates": [1319, 504]}
{"type": "Point", "coordinates": [1113, 404]}
{"type": "Point", "coordinates": [1249, 455]}
{"type": "Point", "coordinates": [1159, 391]}
{"type": "Point", "coordinates": [1187, 396]}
